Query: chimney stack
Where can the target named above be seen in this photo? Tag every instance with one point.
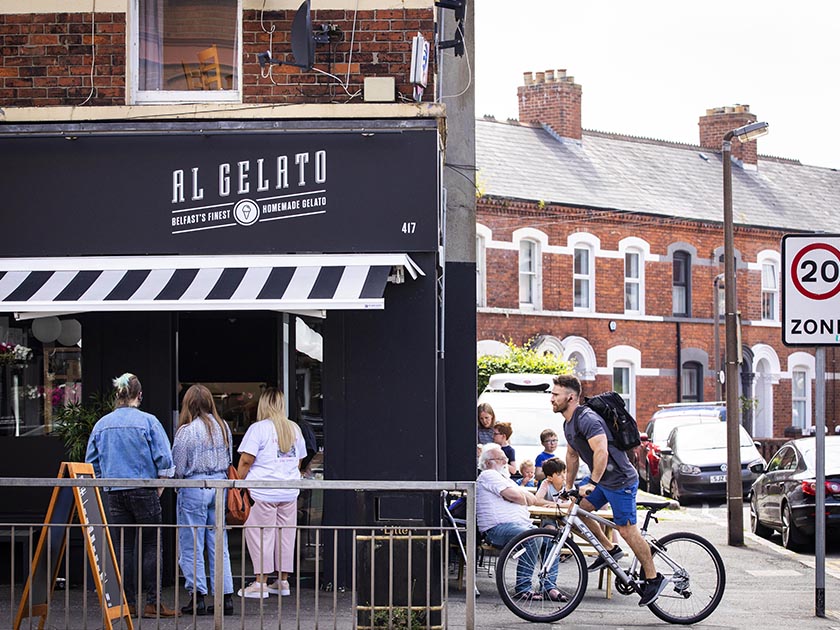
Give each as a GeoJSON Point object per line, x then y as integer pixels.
{"type": "Point", "coordinates": [719, 121]}
{"type": "Point", "coordinates": [551, 98]}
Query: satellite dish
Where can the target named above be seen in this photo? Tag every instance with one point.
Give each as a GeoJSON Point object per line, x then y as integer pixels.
{"type": "Point", "coordinates": [303, 42]}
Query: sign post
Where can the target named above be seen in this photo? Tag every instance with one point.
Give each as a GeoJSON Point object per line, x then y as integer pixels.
{"type": "Point", "coordinates": [66, 503]}
{"type": "Point", "coordinates": [811, 317]}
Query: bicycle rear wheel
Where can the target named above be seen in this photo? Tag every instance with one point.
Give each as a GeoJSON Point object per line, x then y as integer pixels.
{"type": "Point", "coordinates": [697, 576]}
{"type": "Point", "coordinates": [526, 588]}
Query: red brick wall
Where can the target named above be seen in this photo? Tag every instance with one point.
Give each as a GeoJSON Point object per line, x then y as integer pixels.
{"type": "Point", "coordinates": [657, 340]}
{"type": "Point", "coordinates": [552, 99]}
{"type": "Point", "coordinates": [45, 59]}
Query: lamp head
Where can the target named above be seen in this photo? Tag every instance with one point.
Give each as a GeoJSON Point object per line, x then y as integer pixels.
{"type": "Point", "coordinates": [751, 131]}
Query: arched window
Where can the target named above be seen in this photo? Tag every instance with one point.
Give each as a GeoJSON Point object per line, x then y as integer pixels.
{"type": "Point", "coordinates": [800, 397]}
{"type": "Point", "coordinates": [633, 266]}
{"type": "Point", "coordinates": [769, 291]}
{"type": "Point", "coordinates": [584, 278]}
{"type": "Point", "coordinates": [691, 388]}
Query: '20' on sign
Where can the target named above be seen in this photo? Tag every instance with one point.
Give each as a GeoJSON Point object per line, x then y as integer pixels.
{"type": "Point", "coordinates": [811, 289]}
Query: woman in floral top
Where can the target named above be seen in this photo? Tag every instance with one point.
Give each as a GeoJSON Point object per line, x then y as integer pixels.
{"type": "Point", "coordinates": [202, 450]}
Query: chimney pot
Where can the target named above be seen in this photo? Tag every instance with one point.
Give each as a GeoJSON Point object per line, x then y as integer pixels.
{"type": "Point", "coordinates": [528, 77]}
{"type": "Point", "coordinates": [549, 76]}
{"type": "Point", "coordinates": [560, 74]}
{"type": "Point", "coordinates": [540, 77]}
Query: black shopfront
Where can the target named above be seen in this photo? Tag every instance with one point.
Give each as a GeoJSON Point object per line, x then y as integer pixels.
{"type": "Point", "coordinates": [236, 254]}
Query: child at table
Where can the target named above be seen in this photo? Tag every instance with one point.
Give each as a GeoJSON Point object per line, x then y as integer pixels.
{"type": "Point", "coordinates": [526, 469]}
{"type": "Point", "coordinates": [551, 487]}
{"type": "Point", "coordinates": [549, 441]}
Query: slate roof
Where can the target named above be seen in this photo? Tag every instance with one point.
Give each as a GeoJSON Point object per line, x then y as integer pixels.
{"type": "Point", "coordinates": [629, 174]}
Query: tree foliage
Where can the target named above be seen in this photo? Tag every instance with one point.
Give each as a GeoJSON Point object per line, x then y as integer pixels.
{"type": "Point", "coordinates": [519, 360]}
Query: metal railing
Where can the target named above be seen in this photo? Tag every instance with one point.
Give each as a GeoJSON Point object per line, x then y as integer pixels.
{"type": "Point", "coordinates": [399, 575]}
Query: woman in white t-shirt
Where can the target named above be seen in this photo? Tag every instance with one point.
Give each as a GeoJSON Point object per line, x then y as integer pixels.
{"type": "Point", "coordinates": [271, 450]}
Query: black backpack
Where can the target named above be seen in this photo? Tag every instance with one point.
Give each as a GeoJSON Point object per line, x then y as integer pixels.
{"type": "Point", "coordinates": [610, 406]}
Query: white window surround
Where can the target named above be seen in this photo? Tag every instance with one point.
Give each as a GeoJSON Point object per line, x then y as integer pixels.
{"type": "Point", "coordinates": [639, 280]}
{"type": "Point", "coordinates": [136, 96]}
{"type": "Point", "coordinates": [480, 270]}
{"type": "Point", "coordinates": [761, 351]}
{"type": "Point", "coordinates": [807, 363]}
{"type": "Point", "coordinates": [574, 344]}
{"type": "Point", "coordinates": [772, 257]}
{"type": "Point", "coordinates": [717, 258]}
{"type": "Point", "coordinates": [530, 280]}
{"type": "Point", "coordinates": [540, 240]}
{"type": "Point", "coordinates": [577, 239]}
{"type": "Point", "coordinates": [588, 278]}
{"type": "Point", "coordinates": [530, 234]}
{"type": "Point", "coordinates": [629, 396]}
{"type": "Point", "coordinates": [549, 343]}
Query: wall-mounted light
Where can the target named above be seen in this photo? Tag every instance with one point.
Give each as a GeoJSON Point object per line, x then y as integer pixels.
{"type": "Point", "coordinates": [613, 325]}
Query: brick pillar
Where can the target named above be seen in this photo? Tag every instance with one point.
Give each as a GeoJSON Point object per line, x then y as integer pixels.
{"type": "Point", "coordinates": [553, 99]}
{"type": "Point", "coordinates": [720, 120]}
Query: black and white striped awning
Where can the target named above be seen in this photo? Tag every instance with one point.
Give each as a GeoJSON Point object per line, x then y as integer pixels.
{"type": "Point", "coordinates": [32, 287]}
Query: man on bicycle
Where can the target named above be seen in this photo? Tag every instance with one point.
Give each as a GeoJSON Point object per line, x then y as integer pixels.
{"type": "Point", "coordinates": [612, 480]}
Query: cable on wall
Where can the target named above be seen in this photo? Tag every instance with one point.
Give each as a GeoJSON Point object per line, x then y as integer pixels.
{"type": "Point", "coordinates": [92, 51]}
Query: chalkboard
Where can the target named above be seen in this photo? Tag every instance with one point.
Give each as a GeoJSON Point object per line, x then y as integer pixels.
{"type": "Point", "coordinates": [65, 504]}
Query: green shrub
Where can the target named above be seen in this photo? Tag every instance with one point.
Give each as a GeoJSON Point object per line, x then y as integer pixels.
{"type": "Point", "coordinates": [74, 422]}
{"type": "Point", "coordinates": [519, 360]}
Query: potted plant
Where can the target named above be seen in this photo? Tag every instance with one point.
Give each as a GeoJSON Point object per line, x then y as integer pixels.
{"type": "Point", "coordinates": [74, 423]}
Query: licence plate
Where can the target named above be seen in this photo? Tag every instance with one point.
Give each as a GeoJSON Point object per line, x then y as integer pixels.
{"type": "Point", "coordinates": [717, 479]}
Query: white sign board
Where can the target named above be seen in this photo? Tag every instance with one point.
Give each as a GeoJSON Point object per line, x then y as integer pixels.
{"type": "Point", "coordinates": [811, 290]}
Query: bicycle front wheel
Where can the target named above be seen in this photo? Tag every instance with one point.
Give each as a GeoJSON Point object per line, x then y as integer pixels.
{"type": "Point", "coordinates": [534, 588]}
{"type": "Point", "coordinates": [697, 577]}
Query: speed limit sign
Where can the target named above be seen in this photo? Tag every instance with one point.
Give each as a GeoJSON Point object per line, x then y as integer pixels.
{"type": "Point", "coordinates": [811, 290]}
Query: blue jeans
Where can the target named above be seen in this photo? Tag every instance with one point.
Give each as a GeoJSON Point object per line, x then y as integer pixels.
{"type": "Point", "coordinates": [139, 506]}
{"type": "Point", "coordinates": [197, 522]}
{"type": "Point", "coordinates": [503, 533]}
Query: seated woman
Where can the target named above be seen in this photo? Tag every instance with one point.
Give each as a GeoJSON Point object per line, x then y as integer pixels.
{"type": "Point", "coordinates": [502, 514]}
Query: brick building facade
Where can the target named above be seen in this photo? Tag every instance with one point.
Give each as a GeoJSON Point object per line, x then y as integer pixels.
{"type": "Point", "coordinates": [608, 250]}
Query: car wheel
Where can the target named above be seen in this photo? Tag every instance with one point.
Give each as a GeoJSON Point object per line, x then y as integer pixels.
{"type": "Point", "coordinates": [675, 491]}
{"type": "Point", "coordinates": [755, 525]}
{"type": "Point", "coordinates": [792, 538]}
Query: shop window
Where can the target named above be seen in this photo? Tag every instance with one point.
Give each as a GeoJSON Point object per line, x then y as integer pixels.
{"type": "Point", "coordinates": [529, 274]}
{"type": "Point", "coordinates": [584, 283]}
{"type": "Point", "coordinates": [186, 52]}
{"type": "Point", "coordinates": [38, 378]}
{"type": "Point", "coordinates": [681, 287]}
{"type": "Point", "coordinates": [769, 292]}
{"type": "Point", "coordinates": [691, 387]}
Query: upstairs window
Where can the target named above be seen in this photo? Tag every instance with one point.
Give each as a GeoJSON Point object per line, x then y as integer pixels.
{"type": "Point", "coordinates": [769, 292]}
{"type": "Point", "coordinates": [800, 398]}
{"type": "Point", "coordinates": [583, 279]}
{"type": "Point", "coordinates": [681, 287]}
{"type": "Point", "coordinates": [623, 384]}
{"type": "Point", "coordinates": [632, 282]}
{"type": "Point", "coordinates": [186, 51]}
{"type": "Point", "coordinates": [529, 274]}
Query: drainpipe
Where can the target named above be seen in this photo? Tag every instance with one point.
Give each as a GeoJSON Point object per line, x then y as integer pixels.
{"type": "Point", "coordinates": [679, 364]}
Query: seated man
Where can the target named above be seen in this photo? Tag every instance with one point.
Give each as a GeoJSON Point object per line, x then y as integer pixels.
{"type": "Point", "coordinates": [502, 514]}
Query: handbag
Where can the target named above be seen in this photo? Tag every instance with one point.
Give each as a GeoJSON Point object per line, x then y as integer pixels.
{"type": "Point", "coordinates": [238, 503]}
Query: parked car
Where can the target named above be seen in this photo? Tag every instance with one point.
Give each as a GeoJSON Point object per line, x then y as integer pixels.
{"type": "Point", "coordinates": [645, 457]}
{"type": "Point", "coordinates": [524, 400]}
{"type": "Point", "coordinates": [783, 497]}
{"type": "Point", "coordinates": [693, 461]}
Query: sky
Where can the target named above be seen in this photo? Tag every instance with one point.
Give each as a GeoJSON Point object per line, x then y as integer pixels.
{"type": "Point", "coordinates": [651, 68]}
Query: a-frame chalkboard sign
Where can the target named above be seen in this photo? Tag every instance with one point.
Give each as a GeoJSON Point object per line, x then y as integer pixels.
{"type": "Point", "coordinates": [66, 503]}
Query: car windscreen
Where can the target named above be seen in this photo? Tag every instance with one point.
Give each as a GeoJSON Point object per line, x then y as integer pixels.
{"type": "Point", "coordinates": [663, 426]}
{"type": "Point", "coordinates": [699, 437]}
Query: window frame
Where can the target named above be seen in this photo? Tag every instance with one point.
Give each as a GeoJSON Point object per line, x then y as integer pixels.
{"type": "Point", "coordinates": [173, 97]}
{"type": "Point", "coordinates": [634, 280]}
{"type": "Point", "coordinates": [772, 292]}
{"type": "Point", "coordinates": [803, 398]}
{"type": "Point", "coordinates": [696, 368]}
{"type": "Point", "coordinates": [480, 270]}
{"type": "Point", "coordinates": [628, 397]}
{"type": "Point", "coordinates": [685, 284]}
{"type": "Point", "coordinates": [533, 276]}
{"type": "Point", "coordinates": [588, 278]}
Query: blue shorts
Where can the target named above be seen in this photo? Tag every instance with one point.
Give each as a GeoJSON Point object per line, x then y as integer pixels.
{"type": "Point", "coordinates": [622, 502]}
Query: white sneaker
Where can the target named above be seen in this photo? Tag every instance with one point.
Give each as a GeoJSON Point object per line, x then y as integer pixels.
{"type": "Point", "coordinates": [279, 587]}
{"type": "Point", "coordinates": [255, 590]}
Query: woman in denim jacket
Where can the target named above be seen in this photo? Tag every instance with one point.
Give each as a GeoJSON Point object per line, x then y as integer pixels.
{"type": "Point", "coordinates": [202, 450]}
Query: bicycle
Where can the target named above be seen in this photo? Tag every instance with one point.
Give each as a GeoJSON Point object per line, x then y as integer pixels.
{"type": "Point", "coordinates": [539, 560]}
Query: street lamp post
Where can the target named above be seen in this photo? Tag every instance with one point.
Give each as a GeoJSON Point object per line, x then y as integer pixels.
{"type": "Point", "coordinates": [734, 483]}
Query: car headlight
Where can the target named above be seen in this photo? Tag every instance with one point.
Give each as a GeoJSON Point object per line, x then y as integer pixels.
{"type": "Point", "coordinates": [688, 469]}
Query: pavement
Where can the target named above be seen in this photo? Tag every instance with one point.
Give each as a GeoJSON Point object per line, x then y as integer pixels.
{"type": "Point", "coordinates": [767, 587]}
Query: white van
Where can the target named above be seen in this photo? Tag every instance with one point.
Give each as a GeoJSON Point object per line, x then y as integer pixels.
{"type": "Point", "coordinates": [524, 400]}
